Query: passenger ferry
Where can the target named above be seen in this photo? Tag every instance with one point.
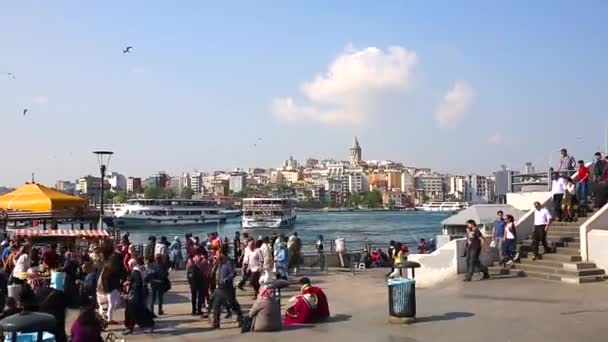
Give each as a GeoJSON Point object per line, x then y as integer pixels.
{"type": "Point", "coordinates": [167, 212]}
{"type": "Point", "coordinates": [268, 213]}
{"type": "Point", "coordinates": [443, 206]}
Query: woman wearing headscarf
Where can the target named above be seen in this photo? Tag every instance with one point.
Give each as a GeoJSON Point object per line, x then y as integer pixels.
{"type": "Point", "coordinates": [136, 311]}
{"type": "Point", "coordinates": [301, 311]}
{"type": "Point", "coordinates": [87, 327]}
{"type": "Point", "coordinates": [282, 261]}
{"type": "Point", "coordinates": [176, 253]}
{"type": "Point", "coordinates": [266, 312]}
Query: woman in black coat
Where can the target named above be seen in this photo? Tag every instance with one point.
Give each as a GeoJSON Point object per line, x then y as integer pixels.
{"type": "Point", "coordinates": [136, 311]}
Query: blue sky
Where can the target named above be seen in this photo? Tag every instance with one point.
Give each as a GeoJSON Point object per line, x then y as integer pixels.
{"type": "Point", "coordinates": [456, 86]}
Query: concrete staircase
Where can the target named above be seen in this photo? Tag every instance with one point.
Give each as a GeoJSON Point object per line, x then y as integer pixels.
{"type": "Point", "coordinates": [565, 264]}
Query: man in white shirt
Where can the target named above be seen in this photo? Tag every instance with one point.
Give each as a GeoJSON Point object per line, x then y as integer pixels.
{"type": "Point", "coordinates": [161, 248]}
{"type": "Point", "coordinates": [542, 220]}
{"type": "Point", "coordinates": [558, 187]}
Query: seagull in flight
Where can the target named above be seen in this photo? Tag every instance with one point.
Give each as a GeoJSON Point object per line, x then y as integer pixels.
{"type": "Point", "coordinates": [25, 111]}
{"type": "Point", "coordinates": [10, 75]}
{"type": "Point", "coordinates": [127, 49]}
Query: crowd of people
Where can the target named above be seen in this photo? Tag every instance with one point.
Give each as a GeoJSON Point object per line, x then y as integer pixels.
{"type": "Point", "coordinates": [571, 196]}
{"type": "Point", "coordinates": [112, 274]}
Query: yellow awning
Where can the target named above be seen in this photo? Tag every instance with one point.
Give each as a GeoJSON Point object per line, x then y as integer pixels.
{"type": "Point", "coordinates": [37, 197]}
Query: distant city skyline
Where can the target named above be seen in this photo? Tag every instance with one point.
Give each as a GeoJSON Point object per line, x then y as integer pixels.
{"type": "Point", "coordinates": [457, 87]}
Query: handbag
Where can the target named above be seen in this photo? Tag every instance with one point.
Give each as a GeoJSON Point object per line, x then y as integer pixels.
{"type": "Point", "coordinates": [246, 323]}
{"type": "Point", "coordinates": [166, 285]}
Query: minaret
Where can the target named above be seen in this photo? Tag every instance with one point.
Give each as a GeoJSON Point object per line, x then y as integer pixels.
{"type": "Point", "coordinates": [355, 154]}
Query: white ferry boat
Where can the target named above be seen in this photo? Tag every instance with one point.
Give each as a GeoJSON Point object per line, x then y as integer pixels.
{"type": "Point", "coordinates": [167, 212]}
{"type": "Point", "coordinates": [443, 206]}
{"type": "Point", "coordinates": [268, 213]}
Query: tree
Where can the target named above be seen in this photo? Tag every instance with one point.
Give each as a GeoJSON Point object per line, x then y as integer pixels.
{"type": "Point", "coordinates": [373, 199]}
{"type": "Point", "coordinates": [169, 194]}
{"type": "Point", "coordinates": [391, 203]}
{"type": "Point", "coordinates": [153, 192]}
{"type": "Point", "coordinates": [121, 197]}
{"type": "Point", "coordinates": [187, 193]}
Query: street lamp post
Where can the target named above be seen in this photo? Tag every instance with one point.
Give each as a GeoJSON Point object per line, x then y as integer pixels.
{"type": "Point", "coordinates": [103, 159]}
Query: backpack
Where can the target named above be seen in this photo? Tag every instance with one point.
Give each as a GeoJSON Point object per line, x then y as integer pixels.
{"type": "Point", "coordinates": [194, 275]}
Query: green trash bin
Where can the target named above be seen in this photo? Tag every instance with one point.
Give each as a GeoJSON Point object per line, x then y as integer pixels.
{"type": "Point", "coordinates": [402, 300]}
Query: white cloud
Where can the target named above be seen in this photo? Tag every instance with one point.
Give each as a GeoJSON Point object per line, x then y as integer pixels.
{"type": "Point", "coordinates": [345, 93]}
{"type": "Point", "coordinates": [496, 138]}
{"type": "Point", "coordinates": [455, 104]}
{"type": "Point", "coordinates": [41, 100]}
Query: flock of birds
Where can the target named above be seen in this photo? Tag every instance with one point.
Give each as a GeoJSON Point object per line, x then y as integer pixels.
{"type": "Point", "coordinates": [12, 76]}
{"type": "Point", "coordinates": [126, 50]}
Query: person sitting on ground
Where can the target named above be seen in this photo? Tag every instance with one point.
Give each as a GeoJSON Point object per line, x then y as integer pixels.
{"type": "Point", "coordinates": [87, 327]}
{"type": "Point", "coordinates": [301, 311]}
{"type": "Point", "coordinates": [422, 246]}
{"type": "Point", "coordinates": [321, 312]}
{"type": "Point", "coordinates": [266, 312]}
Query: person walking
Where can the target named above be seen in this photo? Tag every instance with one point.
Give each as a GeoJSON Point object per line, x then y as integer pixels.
{"type": "Point", "coordinates": [162, 248]}
{"type": "Point", "coordinates": [267, 260]}
{"type": "Point", "coordinates": [498, 234]}
{"type": "Point", "coordinates": [158, 277]}
{"type": "Point", "coordinates": [542, 220]}
{"type": "Point", "coordinates": [391, 254]}
{"type": "Point", "coordinates": [558, 186]}
{"type": "Point", "coordinates": [136, 312]}
{"type": "Point", "coordinates": [253, 264]}
{"type": "Point", "coordinates": [195, 277]}
{"type": "Point", "coordinates": [282, 261]}
{"type": "Point", "coordinates": [293, 248]}
{"type": "Point", "coordinates": [149, 249]}
{"type": "Point", "coordinates": [582, 187]}
{"type": "Point", "coordinates": [176, 253]}
{"type": "Point", "coordinates": [475, 241]}
{"type": "Point", "coordinates": [567, 163]}
{"type": "Point", "coordinates": [238, 253]}
{"type": "Point", "coordinates": [341, 250]}
{"type": "Point", "coordinates": [224, 296]}
{"type": "Point", "coordinates": [510, 239]}
{"type": "Point", "coordinates": [320, 252]}
{"type": "Point", "coordinates": [244, 267]}
{"type": "Point", "coordinates": [569, 202]}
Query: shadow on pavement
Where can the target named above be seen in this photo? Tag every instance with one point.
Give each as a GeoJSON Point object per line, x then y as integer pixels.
{"type": "Point", "coordinates": [338, 318]}
{"type": "Point", "coordinates": [448, 316]}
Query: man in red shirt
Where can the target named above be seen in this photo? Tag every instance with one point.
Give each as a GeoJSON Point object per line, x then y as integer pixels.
{"type": "Point", "coordinates": [582, 188]}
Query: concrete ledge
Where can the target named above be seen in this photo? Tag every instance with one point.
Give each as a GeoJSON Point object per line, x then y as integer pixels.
{"type": "Point", "coordinates": [401, 320]}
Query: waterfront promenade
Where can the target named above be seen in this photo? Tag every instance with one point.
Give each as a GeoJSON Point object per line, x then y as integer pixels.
{"type": "Point", "coordinates": [507, 309]}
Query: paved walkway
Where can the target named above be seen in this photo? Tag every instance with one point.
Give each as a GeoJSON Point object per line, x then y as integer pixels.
{"type": "Point", "coordinates": [516, 309]}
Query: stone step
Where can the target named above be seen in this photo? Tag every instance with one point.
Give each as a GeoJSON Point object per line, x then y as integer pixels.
{"type": "Point", "coordinates": [561, 257]}
{"type": "Point", "coordinates": [560, 270]}
{"type": "Point", "coordinates": [565, 229]}
{"type": "Point", "coordinates": [556, 238]}
{"type": "Point", "coordinates": [502, 272]}
{"type": "Point", "coordinates": [566, 224]}
{"type": "Point", "coordinates": [567, 250]}
{"type": "Point", "coordinates": [568, 244]}
{"type": "Point", "coordinates": [558, 264]}
{"type": "Point", "coordinates": [557, 243]}
{"type": "Point", "coordinates": [561, 234]}
{"type": "Point", "coordinates": [584, 279]}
